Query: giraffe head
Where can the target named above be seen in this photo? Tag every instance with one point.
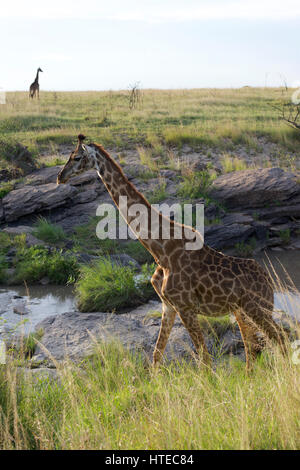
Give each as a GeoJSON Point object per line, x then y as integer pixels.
{"type": "Point", "coordinates": [39, 69]}
{"type": "Point", "coordinates": [82, 159]}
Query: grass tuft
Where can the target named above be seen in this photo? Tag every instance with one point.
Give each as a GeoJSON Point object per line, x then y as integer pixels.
{"type": "Point", "coordinates": [107, 287]}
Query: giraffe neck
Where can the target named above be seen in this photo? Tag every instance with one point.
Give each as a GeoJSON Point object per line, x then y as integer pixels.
{"type": "Point", "coordinates": [117, 184]}
{"type": "Point", "coordinates": [37, 77]}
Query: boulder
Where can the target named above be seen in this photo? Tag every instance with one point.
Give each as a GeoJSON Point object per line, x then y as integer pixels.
{"type": "Point", "coordinates": [34, 199]}
{"type": "Point", "coordinates": [124, 260]}
{"type": "Point", "coordinates": [74, 334]}
{"type": "Point", "coordinates": [42, 176]}
{"type": "Point", "coordinates": [255, 188]}
{"type": "Point", "coordinates": [18, 230]}
{"type": "Point", "coordinates": [224, 236]}
{"type": "Point", "coordinates": [20, 308]}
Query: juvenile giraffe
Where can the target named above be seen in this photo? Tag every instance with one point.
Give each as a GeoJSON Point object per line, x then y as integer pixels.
{"type": "Point", "coordinates": [35, 87]}
{"type": "Point", "coordinates": [189, 282]}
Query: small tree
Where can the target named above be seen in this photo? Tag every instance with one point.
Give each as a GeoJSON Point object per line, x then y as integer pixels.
{"type": "Point", "coordinates": [289, 107]}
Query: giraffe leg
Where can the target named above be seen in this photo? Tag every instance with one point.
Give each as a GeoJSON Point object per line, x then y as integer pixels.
{"type": "Point", "coordinates": [249, 336]}
{"type": "Point", "coordinates": [168, 317]}
{"type": "Point", "coordinates": [191, 323]}
{"type": "Point", "coordinates": [260, 314]}
{"type": "Point", "coordinates": [167, 322]}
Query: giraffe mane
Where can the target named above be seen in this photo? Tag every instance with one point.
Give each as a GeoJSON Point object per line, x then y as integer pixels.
{"type": "Point", "coordinates": [119, 168]}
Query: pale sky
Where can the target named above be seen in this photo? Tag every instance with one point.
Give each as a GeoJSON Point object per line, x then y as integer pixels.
{"type": "Point", "coordinates": [101, 45]}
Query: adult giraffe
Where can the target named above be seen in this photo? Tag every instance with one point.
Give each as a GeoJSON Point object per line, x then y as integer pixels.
{"type": "Point", "coordinates": [35, 86]}
{"type": "Point", "coordinates": [189, 282]}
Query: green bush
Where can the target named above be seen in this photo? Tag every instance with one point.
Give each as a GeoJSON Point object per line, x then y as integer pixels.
{"type": "Point", "coordinates": [48, 232]}
{"type": "Point", "coordinates": [34, 263]}
{"type": "Point", "coordinates": [3, 267]}
{"type": "Point", "coordinates": [196, 184]}
{"type": "Point", "coordinates": [106, 287]}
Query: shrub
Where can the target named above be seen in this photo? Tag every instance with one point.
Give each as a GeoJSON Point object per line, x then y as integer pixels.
{"type": "Point", "coordinates": [105, 287]}
{"type": "Point", "coordinates": [34, 263]}
{"type": "Point", "coordinates": [196, 184]}
{"type": "Point", "coordinates": [48, 232]}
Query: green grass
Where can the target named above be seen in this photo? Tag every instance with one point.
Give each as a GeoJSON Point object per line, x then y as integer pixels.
{"type": "Point", "coordinates": [115, 401]}
{"type": "Point", "coordinates": [104, 287]}
{"type": "Point", "coordinates": [285, 236]}
{"type": "Point", "coordinates": [196, 184]}
{"type": "Point", "coordinates": [158, 194]}
{"type": "Point", "coordinates": [48, 232]}
{"type": "Point", "coordinates": [245, 250]}
{"type": "Point", "coordinates": [34, 263]}
{"type": "Point", "coordinates": [231, 164]}
{"type": "Point", "coordinates": [6, 188]}
{"type": "Point", "coordinates": [198, 117]}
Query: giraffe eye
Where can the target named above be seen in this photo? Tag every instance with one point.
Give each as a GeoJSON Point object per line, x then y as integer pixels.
{"type": "Point", "coordinates": [77, 158]}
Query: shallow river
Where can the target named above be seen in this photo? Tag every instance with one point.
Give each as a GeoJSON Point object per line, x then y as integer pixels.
{"type": "Point", "coordinates": [43, 301]}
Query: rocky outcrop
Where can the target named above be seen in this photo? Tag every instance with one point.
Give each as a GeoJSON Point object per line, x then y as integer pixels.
{"type": "Point", "coordinates": [256, 188]}
{"type": "Point", "coordinates": [227, 235]}
{"type": "Point", "coordinates": [74, 334]}
{"type": "Point", "coordinates": [260, 203]}
{"type": "Point", "coordinates": [34, 199]}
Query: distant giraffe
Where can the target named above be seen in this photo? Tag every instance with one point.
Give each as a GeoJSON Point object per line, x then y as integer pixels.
{"type": "Point", "coordinates": [35, 87]}
{"type": "Point", "coordinates": [189, 283]}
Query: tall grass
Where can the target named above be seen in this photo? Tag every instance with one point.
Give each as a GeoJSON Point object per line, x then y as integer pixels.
{"type": "Point", "coordinates": [115, 400]}
{"type": "Point", "coordinates": [112, 401]}
{"type": "Point", "coordinates": [231, 164]}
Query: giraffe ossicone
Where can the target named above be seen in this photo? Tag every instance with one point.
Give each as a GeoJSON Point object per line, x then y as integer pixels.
{"type": "Point", "coordinates": [188, 282]}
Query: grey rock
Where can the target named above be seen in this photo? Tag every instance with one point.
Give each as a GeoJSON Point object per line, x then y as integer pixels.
{"type": "Point", "coordinates": [45, 281]}
{"type": "Point", "coordinates": [20, 308]}
{"type": "Point", "coordinates": [31, 240]}
{"type": "Point", "coordinates": [124, 260]}
{"type": "Point", "coordinates": [237, 218]}
{"type": "Point", "coordinates": [20, 229]}
{"type": "Point", "coordinates": [223, 236]}
{"type": "Point", "coordinates": [255, 188]}
{"type": "Point", "coordinates": [32, 199]}
{"type": "Point", "coordinates": [231, 342]}
{"type": "Point", "coordinates": [85, 258]}
{"type": "Point", "coordinates": [43, 176]}
{"type": "Point", "coordinates": [275, 214]}
{"type": "Point", "coordinates": [74, 334]}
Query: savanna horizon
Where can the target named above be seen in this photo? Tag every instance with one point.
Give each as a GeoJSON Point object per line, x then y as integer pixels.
{"type": "Point", "coordinates": [210, 117]}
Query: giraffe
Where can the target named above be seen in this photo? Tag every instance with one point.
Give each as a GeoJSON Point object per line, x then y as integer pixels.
{"type": "Point", "coordinates": [188, 282]}
{"type": "Point", "coordinates": [35, 87]}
